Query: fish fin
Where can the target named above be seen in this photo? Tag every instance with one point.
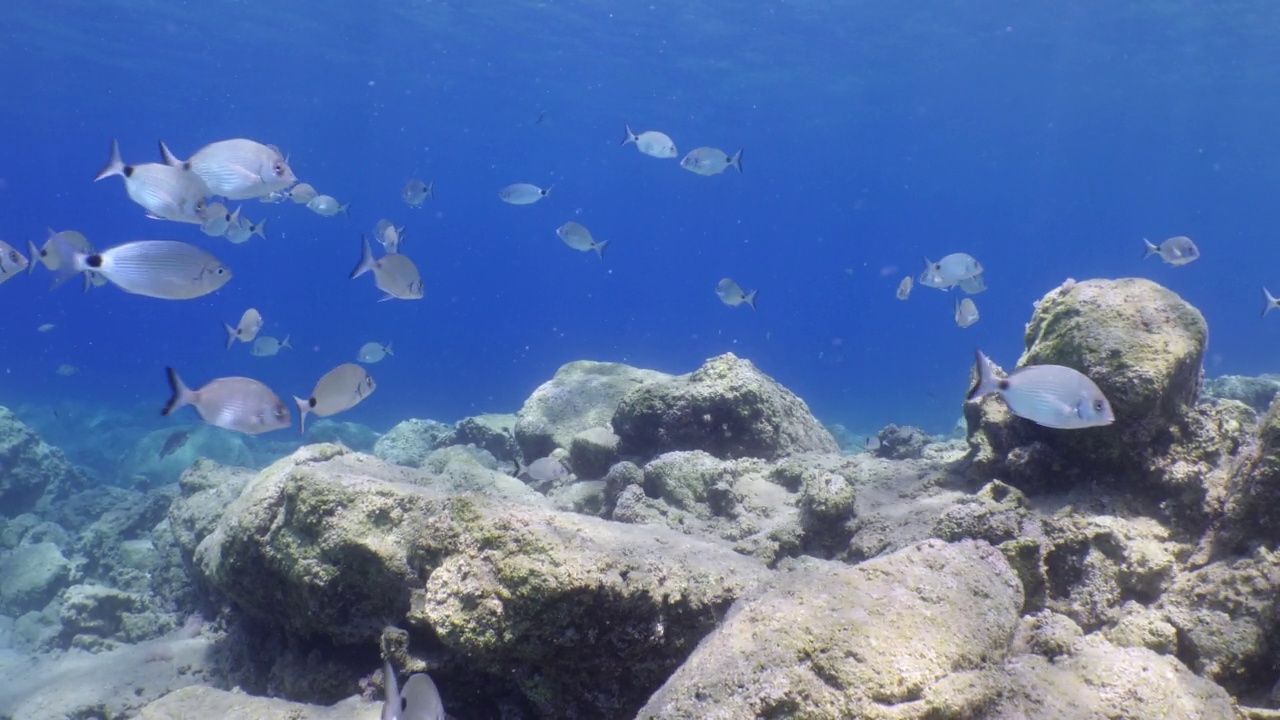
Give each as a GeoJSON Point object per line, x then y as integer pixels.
{"type": "Point", "coordinates": [88, 282]}
{"type": "Point", "coordinates": [736, 160]}
{"type": "Point", "coordinates": [750, 298]}
{"type": "Point", "coordinates": [304, 407]}
{"type": "Point", "coordinates": [392, 691]}
{"type": "Point", "coordinates": [431, 189]}
{"type": "Point", "coordinates": [285, 343]}
{"type": "Point", "coordinates": [231, 335]}
{"type": "Point", "coordinates": [1271, 302]}
{"type": "Point", "coordinates": [1152, 248]}
{"type": "Point", "coordinates": [70, 261]}
{"type": "Point", "coordinates": [547, 193]}
{"type": "Point", "coordinates": [387, 350]}
{"type": "Point", "coordinates": [630, 138]}
{"type": "Point", "coordinates": [386, 297]}
{"type": "Point", "coordinates": [260, 229]}
{"type": "Point", "coordinates": [599, 248]}
{"type": "Point", "coordinates": [35, 257]}
{"type": "Point", "coordinates": [114, 166]}
{"type": "Point", "coordinates": [170, 159]}
{"type": "Point", "coordinates": [343, 209]}
{"type": "Point", "coordinates": [181, 395]}
{"type": "Point", "coordinates": [987, 381]}
{"type": "Point", "coordinates": [366, 259]}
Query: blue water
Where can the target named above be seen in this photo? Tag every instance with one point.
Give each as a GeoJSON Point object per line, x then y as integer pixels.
{"type": "Point", "coordinates": [1045, 139]}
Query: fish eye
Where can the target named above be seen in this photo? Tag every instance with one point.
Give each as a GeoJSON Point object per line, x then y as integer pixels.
{"type": "Point", "coordinates": [279, 167]}
{"type": "Point", "coordinates": [1097, 405]}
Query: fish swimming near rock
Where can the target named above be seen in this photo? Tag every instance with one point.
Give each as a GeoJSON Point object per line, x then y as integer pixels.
{"type": "Point", "coordinates": [342, 388]}
{"type": "Point", "coordinates": [173, 443]}
{"type": "Point", "coordinates": [543, 473]}
{"type": "Point", "coordinates": [1178, 250]}
{"type": "Point", "coordinates": [238, 404]}
{"type": "Point", "coordinates": [419, 700]}
{"type": "Point", "coordinates": [949, 271]}
{"type": "Point", "coordinates": [732, 294]}
{"type": "Point", "coordinates": [1054, 396]}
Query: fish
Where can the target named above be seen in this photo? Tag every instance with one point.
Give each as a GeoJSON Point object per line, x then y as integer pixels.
{"type": "Point", "coordinates": [49, 257]}
{"type": "Point", "coordinates": [949, 271]}
{"type": "Point", "coordinates": [541, 116]}
{"type": "Point", "coordinates": [523, 194]}
{"type": "Point", "coordinates": [301, 193]}
{"type": "Point", "coordinates": [165, 192]}
{"type": "Point", "coordinates": [238, 404]}
{"type": "Point", "coordinates": [389, 235]}
{"type": "Point", "coordinates": [237, 169]}
{"type": "Point", "coordinates": [651, 143]}
{"type": "Point", "coordinates": [173, 443]}
{"type": "Point", "coordinates": [326, 206]}
{"type": "Point", "coordinates": [67, 370]}
{"type": "Point", "coordinates": [1178, 250]}
{"type": "Point", "coordinates": [1053, 396]}
{"type": "Point", "coordinates": [47, 327]}
{"type": "Point", "coordinates": [165, 269]}
{"type": "Point", "coordinates": [579, 238]}
{"type": "Point", "coordinates": [247, 329]}
{"type": "Point", "coordinates": [966, 312]}
{"type": "Point", "coordinates": [708, 161]}
{"type": "Point", "coordinates": [342, 388]}
{"type": "Point", "coordinates": [276, 196]}
{"type": "Point", "coordinates": [1269, 303]}
{"type": "Point", "coordinates": [12, 262]}
{"type": "Point", "coordinates": [904, 288]}
{"type": "Point", "coordinates": [243, 229]}
{"type": "Point", "coordinates": [372, 352]}
{"type": "Point", "coordinates": [415, 192]}
{"type": "Point", "coordinates": [395, 275]}
{"type": "Point", "coordinates": [266, 346]}
{"type": "Point", "coordinates": [973, 285]}
{"type": "Point", "coordinates": [217, 219]}
{"type": "Point", "coordinates": [546, 472]}
{"type": "Point", "coordinates": [732, 294]}
{"type": "Point", "coordinates": [419, 700]}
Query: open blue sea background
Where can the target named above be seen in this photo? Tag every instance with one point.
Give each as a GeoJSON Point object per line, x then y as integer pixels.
{"type": "Point", "coordinates": [1045, 139]}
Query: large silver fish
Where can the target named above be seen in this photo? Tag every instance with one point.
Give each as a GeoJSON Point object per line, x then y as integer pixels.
{"type": "Point", "coordinates": [395, 275]}
{"type": "Point", "coordinates": [238, 404]}
{"type": "Point", "coordinates": [166, 193]}
{"type": "Point", "coordinates": [165, 269]}
{"type": "Point", "coordinates": [652, 143]}
{"type": "Point", "coordinates": [237, 169]}
{"type": "Point", "coordinates": [950, 271]}
{"type": "Point", "coordinates": [342, 388]}
{"type": "Point", "coordinates": [1054, 396]}
{"type": "Point", "coordinates": [419, 700]}
{"type": "Point", "coordinates": [1178, 250]}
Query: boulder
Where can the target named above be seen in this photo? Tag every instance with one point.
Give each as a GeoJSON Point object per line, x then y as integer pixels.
{"type": "Point", "coordinates": [1256, 392]}
{"type": "Point", "coordinates": [203, 441]}
{"type": "Point", "coordinates": [409, 442]}
{"type": "Point", "coordinates": [727, 408]}
{"type": "Point", "coordinates": [30, 576]}
{"type": "Point", "coordinates": [491, 432]}
{"type": "Point", "coordinates": [592, 452]}
{"type": "Point", "coordinates": [33, 475]}
{"type": "Point", "coordinates": [204, 492]}
{"type": "Point", "coordinates": [582, 395]}
{"type": "Point", "coordinates": [207, 702]}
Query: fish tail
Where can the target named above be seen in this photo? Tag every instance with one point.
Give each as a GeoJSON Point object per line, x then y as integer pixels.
{"type": "Point", "coordinates": [431, 189]}
{"type": "Point", "coordinates": [34, 252]}
{"type": "Point", "coordinates": [750, 299]}
{"type": "Point", "coordinates": [987, 381]}
{"type": "Point", "coordinates": [70, 261]}
{"type": "Point", "coordinates": [170, 159]}
{"type": "Point", "coordinates": [630, 138]}
{"type": "Point", "coordinates": [286, 344]}
{"type": "Point", "coordinates": [599, 248]}
{"type": "Point", "coordinates": [387, 350]}
{"type": "Point", "coordinates": [114, 166]}
{"type": "Point", "coordinates": [547, 193]}
{"type": "Point", "coordinates": [366, 259]}
{"type": "Point", "coordinates": [88, 282]}
{"type": "Point", "coordinates": [736, 160]}
{"type": "Point", "coordinates": [260, 229]}
{"type": "Point", "coordinates": [181, 395]}
{"type": "Point", "coordinates": [304, 407]}
{"type": "Point", "coordinates": [231, 335]}
{"type": "Point", "coordinates": [343, 209]}
{"type": "Point", "coordinates": [1271, 302]}
{"type": "Point", "coordinates": [1152, 248]}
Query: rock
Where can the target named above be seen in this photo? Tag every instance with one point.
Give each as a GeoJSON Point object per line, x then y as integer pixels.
{"type": "Point", "coordinates": [1253, 493]}
{"type": "Point", "coordinates": [33, 475]}
{"type": "Point", "coordinates": [1256, 392]}
{"type": "Point", "coordinates": [467, 469]}
{"type": "Point", "coordinates": [203, 441]}
{"type": "Point", "coordinates": [919, 628]}
{"type": "Point", "coordinates": [620, 476]}
{"type": "Point", "coordinates": [353, 435]}
{"type": "Point", "coordinates": [1048, 634]}
{"type": "Point", "coordinates": [685, 480]}
{"type": "Point", "coordinates": [1141, 626]}
{"type": "Point", "coordinates": [1142, 344]}
{"type": "Point", "coordinates": [592, 452]}
{"type": "Point", "coordinates": [204, 492]}
{"type": "Point", "coordinates": [103, 612]}
{"type": "Point", "coordinates": [727, 408]}
{"type": "Point", "coordinates": [584, 496]}
{"type": "Point", "coordinates": [334, 546]}
{"type": "Point", "coordinates": [409, 442]}
{"type": "Point", "coordinates": [494, 433]}
{"type": "Point", "coordinates": [207, 702]}
{"type": "Point", "coordinates": [902, 443]}
{"type": "Point", "coordinates": [437, 461]}
{"type": "Point", "coordinates": [47, 532]}
{"type": "Point", "coordinates": [30, 576]}
{"type": "Point", "coordinates": [582, 395]}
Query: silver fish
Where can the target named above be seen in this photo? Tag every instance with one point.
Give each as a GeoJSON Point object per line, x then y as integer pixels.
{"type": "Point", "coordinates": [708, 161]}
{"type": "Point", "coordinates": [544, 472]}
{"type": "Point", "coordinates": [373, 352]}
{"type": "Point", "coordinates": [415, 192]}
{"type": "Point", "coordinates": [1269, 303]}
{"type": "Point", "coordinates": [419, 700]}
{"type": "Point", "coordinates": [49, 257]}
{"type": "Point", "coordinates": [731, 294]}
{"type": "Point", "coordinates": [301, 193]}
{"type": "Point", "coordinates": [266, 346]}
{"type": "Point", "coordinates": [243, 230]}
{"type": "Point", "coordinates": [904, 288]}
{"type": "Point", "coordinates": [652, 143]}
{"type": "Point", "coordinates": [165, 269]}
{"type": "Point", "coordinates": [949, 271]}
{"type": "Point", "coordinates": [966, 312]}
{"type": "Point", "coordinates": [389, 235]}
{"type": "Point", "coordinates": [523, 194]}
{"type": "Point", "coordinates": [217, 219]}
{"type": "Point", "coordinates": [1178, 250]}
{"type": "Point", "coordinates": [973, 285]}
{"type": "Point", "coordinates": [238, 404]}
{"type": "Point", "coordinates": [342, 388]}
{"type": "Point", "coordinates": [11, 261]}
{"type": "Point", "coordinates": [237, 169]}
{"type": "Point", "coordinates": [396, 275]}
{"type": "Point", "coordinates": [165, 192]}
{"type": "Point", "coordinates": [326, 206]}
{"type": "Point", "coordinates": [246, 330]}
{"type": "Point", "coordinates": [1050, 395]}
{"type": "Point", "coordinates": [579, 238]}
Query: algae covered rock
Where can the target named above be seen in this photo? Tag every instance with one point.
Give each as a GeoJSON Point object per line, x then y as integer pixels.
{"type": "Point", "coordinates": [727, 408]}
{"type": "Point", "coordinates": [581, 395]}
{"type": "Point", "coordinates": [1253, 494]}
{"type": "Point", "coordinates": [490, 432]}
{"type": "Point", "coordinates": [206, 702]}
{"type": "Point", "coordinates": [33, 475]}
{"type": "Point", "coordinates": [409, 442]}
{"type": "Point", "coordinates": [1256, 392]}
{"type": "Point", "coordinates": [30, 576]}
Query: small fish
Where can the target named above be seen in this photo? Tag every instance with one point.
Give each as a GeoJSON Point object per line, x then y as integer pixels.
{"type": "Point", "coordinates": [67, 370]}
{"type": "Point", "coordinates": [523, 194]}
{"type": "Point", "coordinates": [708, 161]}
{"type": "Point", "coordinates": [419, 700]}
{"type": "Point", "coordinates": [395, 275]}
{"type": "Point", "coordinates": [1178, 250]}
{"type": "Point", "coordinates": [246, 330]}
{"type": "Point", "coordinates": [266, 346]}
{"type": "Point", "coordinates": [342, 388]}
{"type": "Point", "coordinates": [973, 285]}
{"type": "Point", "coordinates": [949, 271]}
{"type": "Point", "coordinates": [326, 206]}
{"type": "Point", "coordinates": [732, 294]}
{"type": "Point", "coordinates": [301, 193]}
{"type": "Point", "coordinates": [276, 196]}
{"type": "Point", "coordinates": [167, 193]}
{"type": "Point", "coordinates": [217, 219]}
{"type": "Point", "coordinates": [579, 238]}
{"type": "Point", "coordinates": [373, 352]}
{"type": "Point", "coordinates": [174, 442]}
{"type": "Point", "coordinates": [237, 169]}
{"type": "Point", "coordinates": [542, 115]}
{"type": "Point", "coordinates": [1050, 395]}
{"type": "Point", "coordinates": [904, 288]}
{"type": "Point", "coordinates": [966, 312]}
{"type": "Point", "coordinates": [872, 444]}
{"type": "Point", "coordinates": [165, 269]}
{"type": "Point", "coordinates": [11, 262]}
{"type": "Point", "coordinates": [389, 235]}
{"type": "Point", "coordinates": [244, 229]}
{"type": "Point", "coordinates": [651, 143]}
{"type": "Point", "coordinates": [47, 327]}
{"type": "Point", "coordinates": [238, 404]}
{"type": "Point", "coordinates": [545, 473]}
{"type": "Point", "coordinates": [48, 254]}
{"type": "Point", "coordinates": [415, 192]}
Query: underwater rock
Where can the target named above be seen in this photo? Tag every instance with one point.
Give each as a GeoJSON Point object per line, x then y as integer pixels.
{"type": "Point", "coordinates": [584, 496]}
{"type": "Point", "coordinates": [1256, 392]}
{"type": "Point", "coordinates": [582, 394]}
{"type": "Point", "coordinates": [30, 576]}
{"type": "Point", "coordinates": [203, 441]}
{"type": "Point", "coordinates": [468, 469]}
{"type": "Point", "coordinates": [437, 461]}
{"type": "Point", "coordinates": [592, 452]}
{"type": "Point", "coordinates": [902, 443]}
{"type": "Point", "coordinates": [207, 702]}
{"type": "Point", "coordinates": [919, 629]}
{"type": "Point", "coordinates": [491, 432]}
{"type": "Point", "coordinates": [95, 610]}
{"type": "Point", "coordinates": [14, 530]}
{"type": "Point", "coordinates": [204, 492]}
{"type": "Point", "coordinates": [329, 544]}
{"type": "Point", "coordinates": [1142, 626]}
{"type": "Point", "coordinates": [111, 545]}
{"type": "Point", "coordinates": [409, 442]}
{"type": "Point", "coordinates": [33, 475]}
{"type": "Point", "coordinates": [360, 438]}
{"type": "Point", "coordinates": [1143, 346]}
{"type": "Point", "coordinates": [1252, 510]}
{"type": "Point", "coordinates": [727, 408]}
